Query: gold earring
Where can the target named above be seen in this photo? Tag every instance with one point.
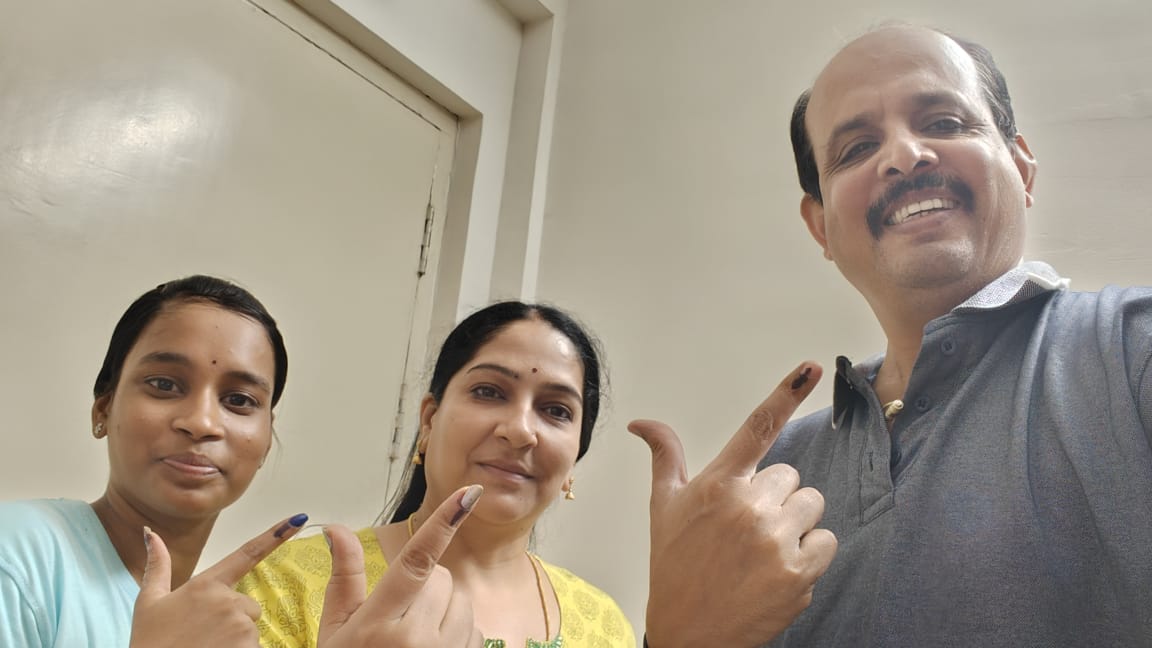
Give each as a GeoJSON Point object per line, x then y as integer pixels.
{"type": "Point", "coordinates": [568, 494]}
{"type": "Point", "coordinates": [421, 448]}
{"type": "Point", "coordinates": [417, 460]}
{"type": "Point", "coordinates": [98, 431]}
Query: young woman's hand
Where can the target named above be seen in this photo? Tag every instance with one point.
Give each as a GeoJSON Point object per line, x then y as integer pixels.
{"type": "Point", "coordinates": [206, 611]}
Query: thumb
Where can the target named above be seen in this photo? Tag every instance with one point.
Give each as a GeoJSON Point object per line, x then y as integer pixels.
{"type": "Point", "coordinates": [157, 579]}
{"type": "Point", "coordinates": [669, 472]}
{"type": "Point", "coordinates": [347, 584]}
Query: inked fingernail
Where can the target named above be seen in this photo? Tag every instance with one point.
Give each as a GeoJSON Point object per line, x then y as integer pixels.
{"type": "Point", "coordinates": [802, 379]}
{"type": "Point", "coordinates": [328, 539]}
{"type": "Point", "coordinates": [467, 501]}
{"type": "Point", "coordinates": [294, 522]}
{"type": "Point", "coordinates": [147, 538]}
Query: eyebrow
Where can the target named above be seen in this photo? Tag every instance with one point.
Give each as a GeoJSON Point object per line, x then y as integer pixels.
{"type": "Point", "coordinates": [169, 357]}
{"type": "Point", "coordinates": [515, 376]}
{"type": "Point", "coordinates": [856, 123]}
{"type": "Point", "coordinates": [921, 101]}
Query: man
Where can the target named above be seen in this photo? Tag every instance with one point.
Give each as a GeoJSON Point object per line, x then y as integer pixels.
{"type": "Point", "coordinates": [989, 478]}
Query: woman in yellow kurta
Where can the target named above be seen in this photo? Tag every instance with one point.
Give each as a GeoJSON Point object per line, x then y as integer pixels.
{"type": "Point", "coordinates": [511, 406]}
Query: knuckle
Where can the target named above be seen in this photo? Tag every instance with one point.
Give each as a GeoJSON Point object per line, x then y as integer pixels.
{"type": "Point", "coordinates": [253, 550]}
{"type": "Point", "coordinates": [713, 490]}
{"type": "Point", "coordinates": [417, 562]}
{"type": "Point", "coordinates": [810, 498]}
{"type": "Point", "coordinates": [761, 422]}
{"type": "Point", "coordinates": [782, 474]}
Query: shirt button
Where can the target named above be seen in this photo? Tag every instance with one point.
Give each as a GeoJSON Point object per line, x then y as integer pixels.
{"type": "Point", "coordinates": [948, 346]}
{"type": "Point", "coordinates": [923, 404]}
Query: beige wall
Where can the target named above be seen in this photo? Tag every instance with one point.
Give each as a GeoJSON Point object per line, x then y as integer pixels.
{"type": "Point", "coordinates": [466, 56]}
{"type": "Point", "coordinates": [672, 224]}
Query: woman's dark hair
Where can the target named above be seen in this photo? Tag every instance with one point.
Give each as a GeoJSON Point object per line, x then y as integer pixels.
{"type": "Point", "coordinates": [992, 83]}
{"type": "Point", "coordinates": [195, 288]}
{"type": "Point", "coordinates": [463, 343]}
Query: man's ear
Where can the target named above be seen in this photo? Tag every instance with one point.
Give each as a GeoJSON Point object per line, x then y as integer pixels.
{"type": "Point", "coordinates": [812, 211]}
{"type": "Point", "coordinates": [1026, 165]}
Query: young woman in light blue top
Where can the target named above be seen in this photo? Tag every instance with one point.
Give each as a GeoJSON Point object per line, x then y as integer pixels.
{"type": "Point", "coordinates": [184, 401]}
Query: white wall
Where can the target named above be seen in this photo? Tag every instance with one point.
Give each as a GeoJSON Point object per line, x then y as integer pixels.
{"type": "Point", "coordinates": [672, 222]}
{"type": "Point", "coordinates": [495, 63]}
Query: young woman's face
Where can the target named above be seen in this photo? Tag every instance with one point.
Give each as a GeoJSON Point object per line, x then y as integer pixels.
{"type": "Point", "coordinates": [510, 421]}
{"type": "Point", "coordinates": [190, 420]}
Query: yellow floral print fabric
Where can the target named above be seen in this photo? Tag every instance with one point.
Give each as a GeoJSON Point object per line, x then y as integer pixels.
{"type": "Point", "coordinates": [289, 586]}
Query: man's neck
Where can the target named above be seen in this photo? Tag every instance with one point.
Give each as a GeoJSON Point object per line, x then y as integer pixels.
{"type": "Point", "coordinates": [903, 317]}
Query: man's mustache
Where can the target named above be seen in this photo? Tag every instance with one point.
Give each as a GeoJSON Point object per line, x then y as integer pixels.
{"type": "Point", "coordinates": [895, 192]}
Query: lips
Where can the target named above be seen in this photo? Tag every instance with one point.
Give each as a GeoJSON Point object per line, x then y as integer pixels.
{"type": "Point", "coordinates": [918, 196]}
{"type": "Point", "coordinates": [920, 208]}
{"type": "Point", "coordinates": [513, 469]}
{"type": "Point", "coordinates": [192, 464]}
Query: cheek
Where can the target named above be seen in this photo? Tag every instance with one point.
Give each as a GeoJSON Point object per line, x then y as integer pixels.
{"type": "Point", "coordinates": [849, 192]}
{"type": "Point", "coordinates": [252, 440]}
{"type": "Point", "coordinates": [562, 454]}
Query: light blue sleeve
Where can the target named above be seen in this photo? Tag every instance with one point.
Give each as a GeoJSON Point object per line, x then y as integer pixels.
{"type": "Point", "coordinates": [19, 625]}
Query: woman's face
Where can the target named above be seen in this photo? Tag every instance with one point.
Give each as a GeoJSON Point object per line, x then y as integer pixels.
{"type": "Point", "coordinates": [510, 421]}
{"type": "Point", "coordinates": [190, 420]}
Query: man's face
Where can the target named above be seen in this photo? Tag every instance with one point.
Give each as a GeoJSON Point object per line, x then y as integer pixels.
{"type": "Point", "coordinates": [920, 189]}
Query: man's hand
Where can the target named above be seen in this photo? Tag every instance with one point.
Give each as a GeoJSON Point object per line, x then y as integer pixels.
{"type": "Point", "coordinates": [414, 604]}
{"type": "Point", "coordinates": [206, 611]}
{"type": "Point", "coordinates": [734, 552]}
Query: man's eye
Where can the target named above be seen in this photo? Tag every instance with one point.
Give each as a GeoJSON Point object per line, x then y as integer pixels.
{"type": "Point", "coordinates": [856, 150]}
{"type": "Point", "coordinates": [948, 125]}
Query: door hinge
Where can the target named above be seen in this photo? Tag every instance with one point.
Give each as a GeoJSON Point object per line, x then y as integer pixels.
{"type": "Point", "coordinates": [426, 240]}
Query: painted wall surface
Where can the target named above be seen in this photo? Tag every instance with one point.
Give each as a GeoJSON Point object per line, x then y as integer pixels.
{"type": "Point", "coordinates": [672, 224]}
{"type": "Point", "coordinates": [473, 49]}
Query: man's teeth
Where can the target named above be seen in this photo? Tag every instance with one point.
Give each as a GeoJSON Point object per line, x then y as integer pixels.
{"type": "Point", "coordinates": [915, 209]}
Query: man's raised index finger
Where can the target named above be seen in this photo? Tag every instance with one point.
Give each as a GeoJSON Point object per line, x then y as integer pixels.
{"type": "Point", "coordinates": [232, 567]}
{"type": "Point", "coordinates": [751, 442]}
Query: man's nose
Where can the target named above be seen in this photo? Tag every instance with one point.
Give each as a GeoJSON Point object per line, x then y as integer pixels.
{"type": "Point", "coordinates": [905, 153]}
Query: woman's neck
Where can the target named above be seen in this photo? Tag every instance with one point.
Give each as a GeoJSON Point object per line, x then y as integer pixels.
{"type": "Point", "coordinates": [125, 524]}
{"type": "Point", "coordinates": [491, 564]}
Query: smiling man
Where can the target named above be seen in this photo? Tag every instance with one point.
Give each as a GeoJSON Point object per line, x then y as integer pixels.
{"type": "Point", "coordinates": [989, 476]}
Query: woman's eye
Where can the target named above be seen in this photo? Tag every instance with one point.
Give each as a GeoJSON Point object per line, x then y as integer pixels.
{"type": "Point", "coordinates": [486, 392]}
{"type": "Point", "coordinates": [162, 384]}
{"type": "Point", "coordinates": [242, 401]}
{"type": "Point", "coordinates": [558, 412]}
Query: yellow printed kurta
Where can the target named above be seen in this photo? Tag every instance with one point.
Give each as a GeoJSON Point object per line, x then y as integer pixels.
{"type": "Point", "coordinates": [289, 586]}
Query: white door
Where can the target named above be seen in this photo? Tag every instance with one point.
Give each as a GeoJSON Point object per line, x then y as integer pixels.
{"type": "Point", "coordinates": [142, 140]}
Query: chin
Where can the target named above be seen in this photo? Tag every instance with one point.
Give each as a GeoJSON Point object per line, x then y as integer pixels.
{"type": "Point", "coordinates": [936, 266]}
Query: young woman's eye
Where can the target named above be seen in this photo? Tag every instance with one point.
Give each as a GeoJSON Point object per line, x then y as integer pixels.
{"type": "Point", "coordinates": [486, 392]}
{"type": "Point", "coordinates": [162, 384]}
{"type": "Point", "coordinates": [240, 401]}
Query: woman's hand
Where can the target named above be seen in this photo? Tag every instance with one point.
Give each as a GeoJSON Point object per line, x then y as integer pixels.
{"type": "Point", "coordinates": [206, 611]}
{"type": "Point", "coordinates": [415, 603]}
